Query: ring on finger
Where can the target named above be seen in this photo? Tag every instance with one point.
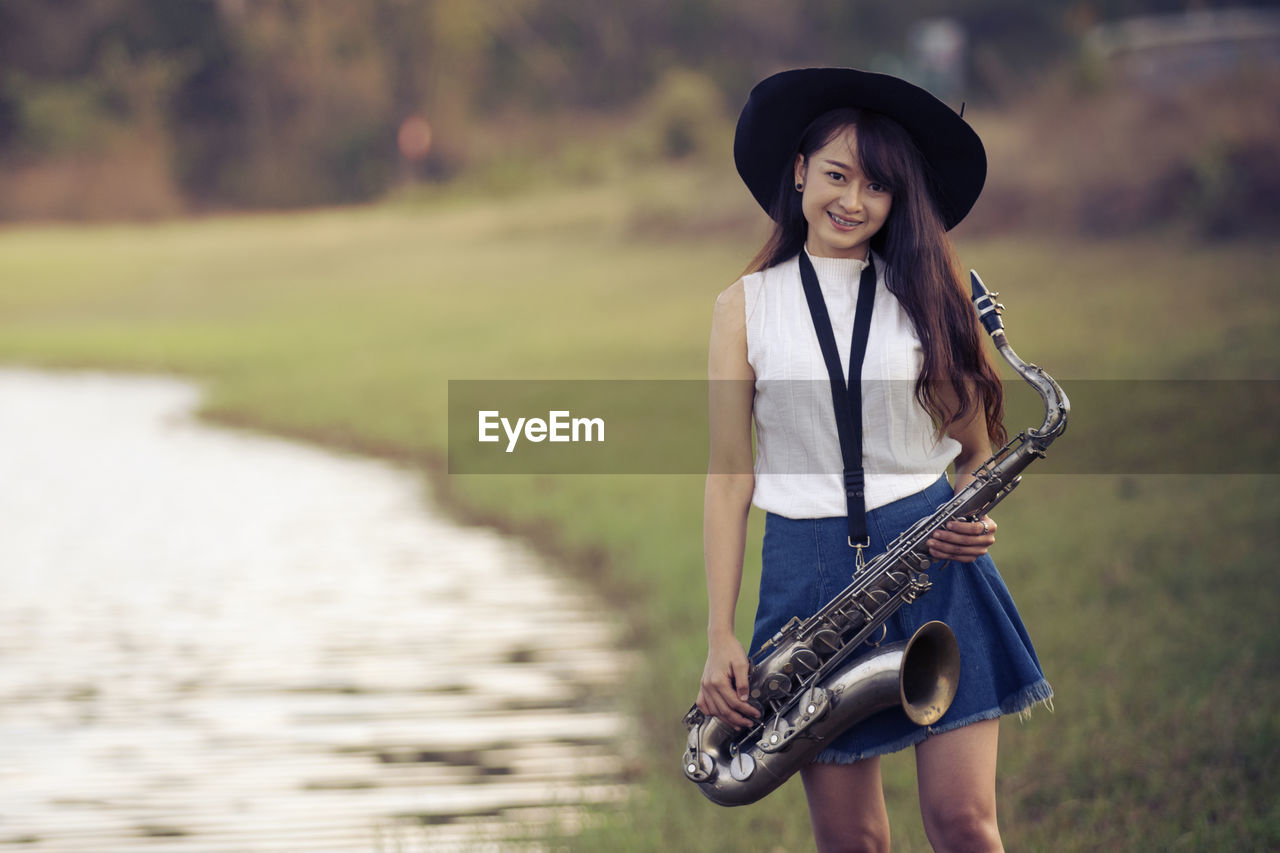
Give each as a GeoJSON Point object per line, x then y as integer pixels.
{"type": "Point", "coordinates": [985, 529]}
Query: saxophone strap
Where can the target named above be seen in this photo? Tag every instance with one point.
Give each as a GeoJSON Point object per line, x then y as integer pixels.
{"type": "Point", "coordinates": [846, 397]}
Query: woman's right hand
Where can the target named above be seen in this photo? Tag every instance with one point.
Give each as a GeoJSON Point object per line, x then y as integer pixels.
{"type": "Point", "coordinates": [723, 692]}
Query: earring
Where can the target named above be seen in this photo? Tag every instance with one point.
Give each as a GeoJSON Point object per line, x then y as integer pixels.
{"type": "Point", "coordinates": [799, 187]}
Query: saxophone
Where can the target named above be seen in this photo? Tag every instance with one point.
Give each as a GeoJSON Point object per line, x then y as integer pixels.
{"type": "Point", "coordinates": [806, 680]}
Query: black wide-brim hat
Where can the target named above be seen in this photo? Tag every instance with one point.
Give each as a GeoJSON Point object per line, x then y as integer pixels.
{"type": "Point", "coordinates": [781, 107]}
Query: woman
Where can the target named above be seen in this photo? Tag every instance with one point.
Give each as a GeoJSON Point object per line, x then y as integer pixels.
{"type": "Point", "coordinates": [863, 174]}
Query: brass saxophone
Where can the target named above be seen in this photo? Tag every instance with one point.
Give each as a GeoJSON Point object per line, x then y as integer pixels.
{"type": "Point", "coordinates": [805, 679]}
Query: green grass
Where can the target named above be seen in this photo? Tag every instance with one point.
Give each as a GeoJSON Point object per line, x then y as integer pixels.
{"type": "Point", "coordinates": [1150, 598]}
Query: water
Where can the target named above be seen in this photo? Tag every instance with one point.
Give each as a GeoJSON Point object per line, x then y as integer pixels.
{"type": "Point", "coordinates": [212, 640]}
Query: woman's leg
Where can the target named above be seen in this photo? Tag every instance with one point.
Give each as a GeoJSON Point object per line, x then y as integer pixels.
{"type": "Point", "coordinates": [846, 807]}
{"type": "Point", "coordinates": [956, 771]}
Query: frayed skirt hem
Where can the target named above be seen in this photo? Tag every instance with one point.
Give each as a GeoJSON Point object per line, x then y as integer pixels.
{"type": "Point", "coordinates": [1021, 703]}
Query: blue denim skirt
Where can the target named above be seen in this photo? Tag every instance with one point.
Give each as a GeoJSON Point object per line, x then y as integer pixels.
{"type": "Point", "coordinates": [807, 562]}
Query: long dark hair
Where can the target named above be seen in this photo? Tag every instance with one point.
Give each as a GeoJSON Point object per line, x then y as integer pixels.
{"type": "Point", "coordinates": [920, 264]}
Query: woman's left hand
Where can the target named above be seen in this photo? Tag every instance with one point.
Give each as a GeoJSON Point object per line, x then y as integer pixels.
{"type": "Point", "coordinates": [963, 541]}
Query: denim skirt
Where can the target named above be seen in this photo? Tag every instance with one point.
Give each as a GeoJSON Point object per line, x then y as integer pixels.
{"type": "Point", "coordinates": [807, 562]}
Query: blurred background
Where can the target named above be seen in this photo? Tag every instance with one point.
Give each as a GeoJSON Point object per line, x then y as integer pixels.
{"type": "Point", "coordinates": [325, 210]}
{"type": "Point", "coordinates": [1126, 113]}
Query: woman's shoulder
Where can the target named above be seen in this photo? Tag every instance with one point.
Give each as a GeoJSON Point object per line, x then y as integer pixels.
{"type": "Point", "coordinates": [782, 269]}
{"type": "Point", "coordinates": [728, 357]}
{"type": "Point", "coordinates": [731, 304]}
{"type": "Point", "coordinates": [770, 278]}
{"type": "Point", "coordinates": [743, 298]}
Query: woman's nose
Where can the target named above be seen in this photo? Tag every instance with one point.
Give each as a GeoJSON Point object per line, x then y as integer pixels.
{"type": "Point", "coordinates": [852, 197]}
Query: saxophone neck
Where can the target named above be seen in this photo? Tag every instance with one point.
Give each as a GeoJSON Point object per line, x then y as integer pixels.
{"type": "Point", "coordinates": [1056, 404]}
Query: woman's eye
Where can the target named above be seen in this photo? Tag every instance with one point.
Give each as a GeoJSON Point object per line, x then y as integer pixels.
{"type": "Point", "coordinates": [877, 187]}
{"type": "Point", "coordinates": [835, 176]}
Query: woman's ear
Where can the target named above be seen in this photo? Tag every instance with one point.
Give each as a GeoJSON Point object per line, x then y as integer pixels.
{"type": "Point", "coordinates": [801, 168]}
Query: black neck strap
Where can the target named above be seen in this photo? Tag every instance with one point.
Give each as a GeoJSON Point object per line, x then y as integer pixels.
{"type": "Point", "coordinates": [846, 397]}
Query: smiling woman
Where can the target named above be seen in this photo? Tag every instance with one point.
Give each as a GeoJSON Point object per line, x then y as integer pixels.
{"type": "Point", "coordinates": [844, 206]}
{"type": "Point", "coordinates": [862, 174]}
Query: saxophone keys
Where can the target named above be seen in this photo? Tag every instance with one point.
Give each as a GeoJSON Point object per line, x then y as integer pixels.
{"type": "Point", "coordinates": [698, 767]}
{"type": "Point", "coordinates": [742, 766]}
{"type": "Point", "coordinates": [776, 685]}
{"type": "Point", "coordinates": [815, 703]}
{"type": "Point", "coordinates": [804, 660]}
{"type": "Point", "coordinates": [777, 735]}
{"type": "Point", "coordinates": [826, 643]}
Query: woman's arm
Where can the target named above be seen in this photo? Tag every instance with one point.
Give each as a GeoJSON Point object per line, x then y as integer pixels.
{"type": "Point", "coordinates": [966, 541]}
{"type": "Point", "coordinates": [727, 499]}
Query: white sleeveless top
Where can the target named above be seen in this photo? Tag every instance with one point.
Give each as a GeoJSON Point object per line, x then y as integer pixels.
{"type": "Point", "coordinates": [798, 467]}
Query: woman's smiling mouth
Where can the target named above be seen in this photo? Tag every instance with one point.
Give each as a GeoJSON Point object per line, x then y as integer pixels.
{"type": "Point", "coordinates": [842, 222]}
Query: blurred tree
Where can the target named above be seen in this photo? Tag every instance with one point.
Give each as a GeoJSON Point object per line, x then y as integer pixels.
{"type": "Point", "coordinates": [402, 29]}
{"type": "Point", "coordinates": [287, 102]}
{"type": "Point", "coordinates": [310, 86]}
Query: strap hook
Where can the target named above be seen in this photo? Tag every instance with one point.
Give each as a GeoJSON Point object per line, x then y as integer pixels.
{"type": "Point", "coordinates": [860, 559]}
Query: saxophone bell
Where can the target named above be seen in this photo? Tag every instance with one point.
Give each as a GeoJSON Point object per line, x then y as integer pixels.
{"type": "Point", "coordinates": [919, 675]}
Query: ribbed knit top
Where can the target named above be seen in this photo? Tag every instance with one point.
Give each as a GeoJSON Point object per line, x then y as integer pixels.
{"type": "Point", "coordinates": [798, 467]}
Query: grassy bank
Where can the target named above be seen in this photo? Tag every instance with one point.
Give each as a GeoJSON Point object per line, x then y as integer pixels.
{"type": "Point", "coordinates": [1149, 597]}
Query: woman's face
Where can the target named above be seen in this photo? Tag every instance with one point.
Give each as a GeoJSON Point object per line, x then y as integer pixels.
{"type": "Point", "coordinates": [843, 207]}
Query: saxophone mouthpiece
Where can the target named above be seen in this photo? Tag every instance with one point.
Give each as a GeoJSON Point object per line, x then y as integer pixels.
{"type": "Point", "coordinates": [984, 301]}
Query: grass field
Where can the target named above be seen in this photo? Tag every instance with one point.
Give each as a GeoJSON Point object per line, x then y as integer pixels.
{"type": "Point", "coordinates": [1150, 597]}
